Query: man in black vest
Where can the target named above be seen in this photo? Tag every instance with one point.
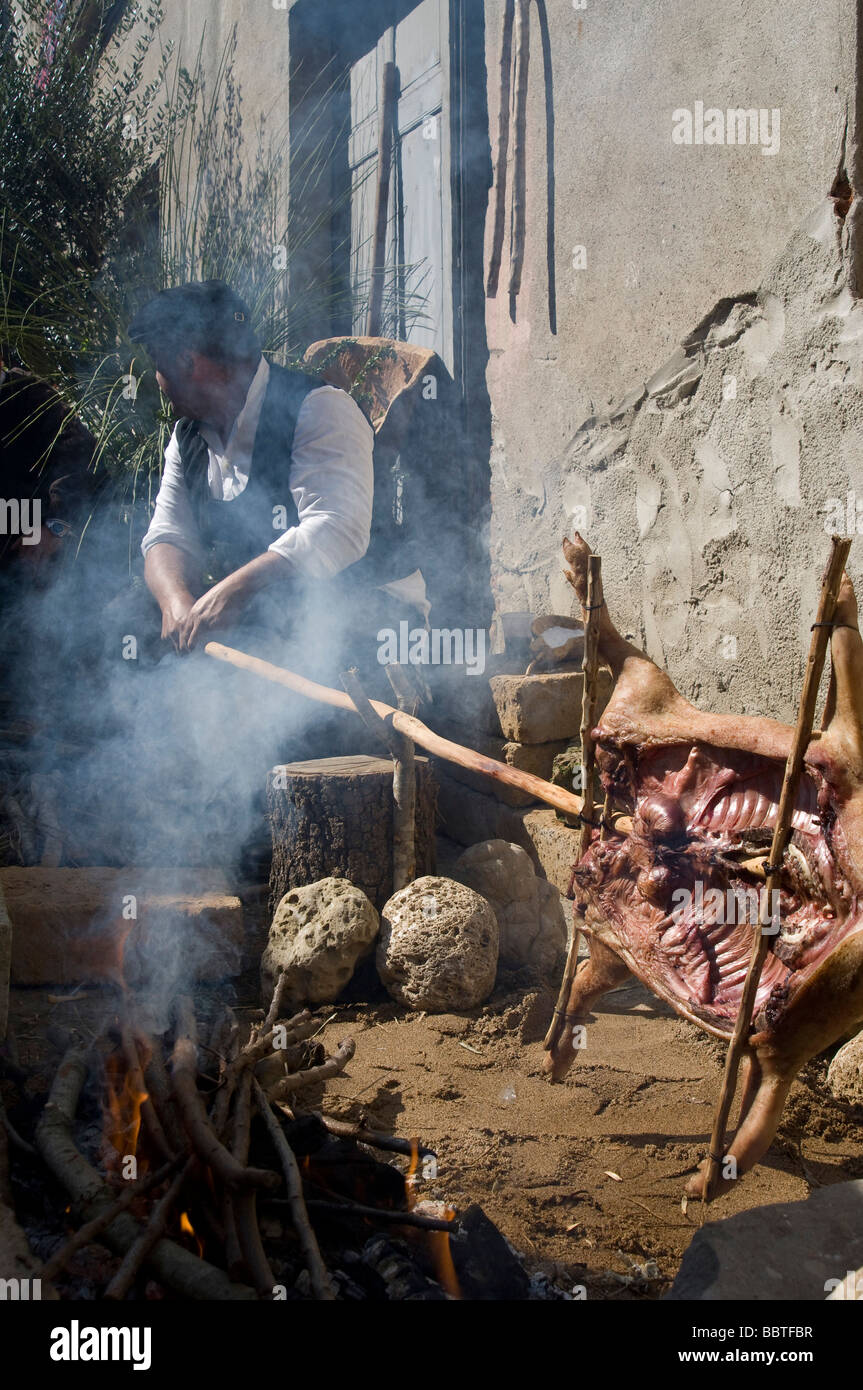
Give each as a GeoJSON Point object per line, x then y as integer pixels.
{"type": "Point", "coordinates": [267, 490]}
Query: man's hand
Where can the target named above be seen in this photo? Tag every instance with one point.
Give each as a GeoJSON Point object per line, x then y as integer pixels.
{"type": "Point", "coordinates": [220, 606]}
{"type": "Point", "coordinates": [174, 615]}
{"type": "Point", "coordinates": [214, 609]}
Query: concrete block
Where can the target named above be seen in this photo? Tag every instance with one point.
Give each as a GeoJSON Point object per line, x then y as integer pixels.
{"type": "Point", "coordinates": [468, 817]}
{"type": "Point", "coordinates": [536, 758]}
{"type": "Point", "coordinates": [552, 845]}
{"type": "Point", "coordinates": [466, 699]}
{"type": "Point", "coordinates": [543, 708]}
{"type": "Point", "coordinates": [75, 925]}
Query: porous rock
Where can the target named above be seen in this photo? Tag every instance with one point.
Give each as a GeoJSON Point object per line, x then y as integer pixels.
{"type": "Point", "coordinates": [438, 946]}
{"type": "Point", "coordinates": [318, 936]}
{"type": "Point", "coordinates": [845, 1076]}
{"type": "Point", "coordinates": [528, 909]}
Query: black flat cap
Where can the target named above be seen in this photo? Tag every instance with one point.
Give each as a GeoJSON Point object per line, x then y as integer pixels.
{"type": "Point", "coordinates": [205, 316]}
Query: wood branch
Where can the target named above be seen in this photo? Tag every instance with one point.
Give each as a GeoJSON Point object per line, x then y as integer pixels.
{"type": "Point", "coordinates": [558, 797]}
{"type": "Point", "coordinates": [159, 1090]}
{"type": "Point", "coordinates": [202, 1135]}
{"type": "Point", "coordinates": [401, 750]}
{"type": "Point", "coordinates": [394, 1218]}
{"type": "Point", "coordinates": [298, 1080]}
{"type": "Point", "coordinates": [224, 1029]}
{"type": "Point", "coordinates": [92, 1229]}
{"type": "Point", "coordinates": [830, 582]}
{"type": "Point", "coordinates": [377, 727]}
{"type": "Point", "coordinates": [135, 1256]}
{"type": "Point", "coordinates": [404, 795]}
{"type": "Point", "coordinates": [181, 1271]}
{"type": "Point", "coordinates": [318, 1273]}
{"type": "Point", "coordinates": [277, 1000]}
{"type": "Point", "coordinates": [407, 696]}
{"type": "Point", "coordinates": [298, 1028]}
{"type": "Point", "coordinates": [149, 1117]}
{"type": "Point", "coordinates": [17, 1260]}
{"type": "Point", "coordinates": [589, 665]}
{"type": "Point", "coordinates": [244, 1204]}
{"type": "Point", "coordinates": [591, 617]}
{"type": "Point", "coordinates": [374, 1138]}
{"type": "Point", "coordinates": [229, 1076]}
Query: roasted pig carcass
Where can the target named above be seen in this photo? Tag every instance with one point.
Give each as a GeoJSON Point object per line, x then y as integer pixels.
{"type": "Point", "coordinates": [675, 899]}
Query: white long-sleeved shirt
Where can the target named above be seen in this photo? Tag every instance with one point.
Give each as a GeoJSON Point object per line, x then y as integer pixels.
{"type": "Point", "coordinates": [329, 474]}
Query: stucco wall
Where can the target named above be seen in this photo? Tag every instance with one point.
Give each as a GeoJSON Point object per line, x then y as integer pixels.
{"type": "Point", "coordinates": [668, 231]}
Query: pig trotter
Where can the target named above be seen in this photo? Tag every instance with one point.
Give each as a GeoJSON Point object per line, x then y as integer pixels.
{"type": "Point", "coordinates": [593, 978]}
{"type": "Point", "coordinates": [674, 892]}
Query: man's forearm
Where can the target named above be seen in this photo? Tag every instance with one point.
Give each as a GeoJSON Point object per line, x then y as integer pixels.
{"type": "Point", "coordinates": [171, 575]}
{"type": "Point", "coordinates": [260, 573]}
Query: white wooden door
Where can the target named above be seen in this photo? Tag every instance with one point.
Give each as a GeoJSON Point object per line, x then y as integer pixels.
{"type": "Point", "coordinates": [418, 286]}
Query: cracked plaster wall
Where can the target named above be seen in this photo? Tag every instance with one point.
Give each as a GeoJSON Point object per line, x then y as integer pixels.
{"type": "Point", "coordinates": [704, 482]}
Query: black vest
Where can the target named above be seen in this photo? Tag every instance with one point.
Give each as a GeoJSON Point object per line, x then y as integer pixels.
{"type": "Point", "coordinates": [243, 527]}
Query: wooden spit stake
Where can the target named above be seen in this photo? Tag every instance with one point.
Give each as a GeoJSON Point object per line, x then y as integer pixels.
{"type": "Point", "coordinates": [592, 614]}
{"type": "Point", "coordinates": [404, 723]}
{"type": "Point", "coordinates": [830, 583]}
{"type": "Point", "coordinates": [404, 780]}
{"type": "Point", "coordinates": [404, 790]}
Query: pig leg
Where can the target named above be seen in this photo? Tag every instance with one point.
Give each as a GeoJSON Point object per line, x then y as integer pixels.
{"type": "Point", "coordinates": [765, 1091]}
{"type": "Point", "coordinates": [594, 978]}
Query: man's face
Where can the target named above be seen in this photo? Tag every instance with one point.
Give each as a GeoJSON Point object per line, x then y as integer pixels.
{"type": "Point", "coordinates": [183, 380]}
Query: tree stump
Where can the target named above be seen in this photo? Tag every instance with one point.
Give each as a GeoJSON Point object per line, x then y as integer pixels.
{"type": "Point", "coordinates": [333, 817]}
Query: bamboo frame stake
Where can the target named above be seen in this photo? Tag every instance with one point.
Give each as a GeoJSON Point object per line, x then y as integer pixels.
{"type": "Point", "coordinates": [589, 666]}
{"type": "Point", "coordinates": [404, 797]}
{"type": "Point", "coordinates": [830, 582]}
{"type": "Point", "coordinates": [404, 780]}
{"type": "Point", "coordinates": [385, 159]}
{"type": "Point", "coordinates": [433, 743]}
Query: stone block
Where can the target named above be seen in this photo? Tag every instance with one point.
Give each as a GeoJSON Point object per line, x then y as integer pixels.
{"type": "Point", "coordinates": [468, 816]}
{"type": "Point", "coordinates": [552, 845]}
{"type": "Point", "coordinates": [543, 708]}
{"type": "Point", "coordinates": [75, 925]}
{"type": "Point", "coordinates": [536, 758]}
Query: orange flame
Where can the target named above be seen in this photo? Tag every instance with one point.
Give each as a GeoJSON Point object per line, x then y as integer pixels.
{"type": "Point", "coordinates": [443, 1261]}
{"type": "Point", "coordinates": [438, 1241]}
{"type": "Point", "coordinates": [411, 1177]}
{"type": "Point", "coordinates": [122, 1110]}
{"type": "Point", "coordinates": [188, 1229]}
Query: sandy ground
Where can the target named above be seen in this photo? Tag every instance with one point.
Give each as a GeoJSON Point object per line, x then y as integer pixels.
{"type": "Point", "coordinates": [584, 1178]}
